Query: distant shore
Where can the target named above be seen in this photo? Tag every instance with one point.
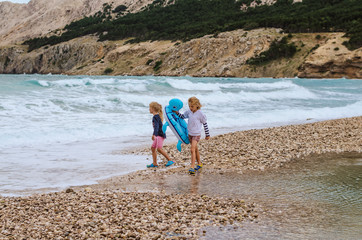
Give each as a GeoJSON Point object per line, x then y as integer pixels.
{"type": "Point", "coordinates": [134, 205]}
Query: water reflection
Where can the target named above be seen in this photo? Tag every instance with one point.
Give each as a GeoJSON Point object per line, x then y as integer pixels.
{"type": "Point", "coordinates": [195, 182]}
{"type": "Point", "coordinates": [316, 198]}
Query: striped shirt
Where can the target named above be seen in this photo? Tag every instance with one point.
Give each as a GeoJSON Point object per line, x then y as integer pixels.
{"type": "Point", "coordinates": [196, 120]}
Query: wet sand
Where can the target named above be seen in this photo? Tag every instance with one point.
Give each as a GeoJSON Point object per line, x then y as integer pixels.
{"type": "Point", "coordinates": [167, 203]}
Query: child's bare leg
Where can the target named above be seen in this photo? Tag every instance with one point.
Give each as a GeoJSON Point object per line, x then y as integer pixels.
{"type": "Point", "coordinates": [154, 156]}
{"type": "Point", "coordinates": [198, 155]}
{"type": "Point", "coordinates": [163, 152]}
{"type": "Point", "coordinates": [193, 153]}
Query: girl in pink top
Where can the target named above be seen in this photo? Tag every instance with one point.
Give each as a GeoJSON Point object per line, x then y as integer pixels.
{"type": "Point", "coordinates": [158, 135]}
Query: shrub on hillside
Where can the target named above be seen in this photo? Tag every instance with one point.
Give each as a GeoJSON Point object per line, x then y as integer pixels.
{"type": "Point", "coordinates": [278, 49]}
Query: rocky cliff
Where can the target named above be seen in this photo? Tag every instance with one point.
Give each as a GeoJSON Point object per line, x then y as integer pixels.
{"type": "Point", "coordinates": [332, 60]}
{"type": "Point", "coordinates": [224, 54]}
{"type": "Point", "coordinates": [57, 59]}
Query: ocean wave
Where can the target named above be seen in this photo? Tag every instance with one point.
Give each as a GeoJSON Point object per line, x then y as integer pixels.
{"type": "Point", "coordinates": [101, 107]}
{"type": "Point", "coordinates": [280, 116]}
{"type": "Point", "coordinates": [249, 91]}
{"type": "Point", "coordinates": [184, 84]}
{"type": "Point", "coordinates": [110, 84]}
{"type": "Point", "coordinates": [266, 86]}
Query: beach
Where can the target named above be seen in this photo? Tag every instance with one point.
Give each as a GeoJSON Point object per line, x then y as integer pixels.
{"type": "Point", "coordinates": [166, 203]}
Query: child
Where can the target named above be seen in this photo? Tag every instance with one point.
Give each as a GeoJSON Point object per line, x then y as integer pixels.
{"type": "Point", "coordinates": [158, 135]}
{"type": "Point", "coordinates": [196, 120]}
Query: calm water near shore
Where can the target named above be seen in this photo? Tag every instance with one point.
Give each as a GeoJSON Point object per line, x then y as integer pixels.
{"type": "Point", "coordinates": [317, 198]}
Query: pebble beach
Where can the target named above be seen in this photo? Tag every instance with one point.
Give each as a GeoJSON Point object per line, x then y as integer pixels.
{"type": "Point", "coordinates": [131, 207]}
{"type": "Point", "coordinates": [262, 149]}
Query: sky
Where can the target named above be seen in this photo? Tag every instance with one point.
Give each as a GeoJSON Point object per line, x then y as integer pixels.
{"type": "Point", "coordinates": [16, 1]}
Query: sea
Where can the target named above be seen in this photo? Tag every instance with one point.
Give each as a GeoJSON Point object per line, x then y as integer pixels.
{"type": "Point", "coordinates": [58, 131]}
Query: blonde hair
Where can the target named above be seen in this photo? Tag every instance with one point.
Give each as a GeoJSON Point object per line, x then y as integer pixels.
{"type": "Point", "coordinates": [157, 108]}
{"type": "Point", "coordinates": [194, 101]}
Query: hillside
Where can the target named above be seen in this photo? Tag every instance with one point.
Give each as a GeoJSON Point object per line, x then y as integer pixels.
{"type": "Point", "coordinates": [127, 49]}
{"type": "Point", "coordinates": [222, 55]}
{"type": "Point", "coordinates": [19, 22]}
{"type": "Point", "coordinates": [188, 19]}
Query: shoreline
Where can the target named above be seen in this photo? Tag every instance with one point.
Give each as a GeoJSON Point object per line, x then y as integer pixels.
{"type": "Point", "coordinates": [170, 75]}
{"type": "Point", "coordinates": [139, 204]}
{"type": "Point", "coordinates": [140, 149]}
{"type": "Point", "coordinates": [272, 147]}
{"type": "Point", "coordinates": [267, 149]}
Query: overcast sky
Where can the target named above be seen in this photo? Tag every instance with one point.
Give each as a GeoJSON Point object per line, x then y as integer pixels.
{"type": "Point", "coordinates": [16, 1]}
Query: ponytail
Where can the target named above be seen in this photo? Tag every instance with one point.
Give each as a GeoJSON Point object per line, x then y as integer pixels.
{"type": "Point", "coordinates": [157, 108]}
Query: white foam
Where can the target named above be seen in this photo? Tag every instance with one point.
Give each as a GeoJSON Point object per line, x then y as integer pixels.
{"type": "Point", "coordinates": [262, 86]}
{"type": "Point", "coordinates": [188, 85]}
{"type": "Point", "coordinates": [281, 116]}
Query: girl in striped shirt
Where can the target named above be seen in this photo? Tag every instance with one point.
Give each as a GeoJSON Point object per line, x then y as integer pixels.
{"type": "Point", "coordinates": [196, 119]}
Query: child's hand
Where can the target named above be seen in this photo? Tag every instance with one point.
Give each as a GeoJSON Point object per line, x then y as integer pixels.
{"type": "Point", "coordinates": [153, 137]}
{"type": "Point", "coordinates": [207, 137]}
{"type": "Point", "coordinates": [175, 111]}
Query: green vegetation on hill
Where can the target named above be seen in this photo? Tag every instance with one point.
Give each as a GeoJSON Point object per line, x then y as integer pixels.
{"type": "Point", "coordinates": [188, 19]}
{"type": "Point", "coordinates": [278, 49]}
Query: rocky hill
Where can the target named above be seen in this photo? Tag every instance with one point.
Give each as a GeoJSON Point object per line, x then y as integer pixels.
{"type": "Point", "coordinates": [221, 55]}
{"type": "Point", "coordinates": [319, 55]}
{"type": "Point", "coordinates": [19, 22]}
